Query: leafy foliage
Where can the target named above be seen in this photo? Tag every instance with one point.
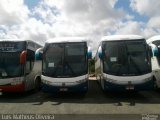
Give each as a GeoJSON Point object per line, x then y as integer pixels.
{"type": "Point", "coordinates": [91, 66]}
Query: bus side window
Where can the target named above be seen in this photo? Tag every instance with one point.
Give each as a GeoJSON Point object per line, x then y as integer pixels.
{"type": "Point", "coordinates": [30, 61]}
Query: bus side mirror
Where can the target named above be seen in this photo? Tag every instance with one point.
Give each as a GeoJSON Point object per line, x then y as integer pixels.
{"type": "Point", "coordinates": [154, 50]}
{"type": "Point", "coordinates": [23, 57]}
{"type": "Point", "coordinates": [100, 55]}
{"type": "Point", "coordinates": [89, 53]}
{"type": "Point", "coordinates": [38, 54]}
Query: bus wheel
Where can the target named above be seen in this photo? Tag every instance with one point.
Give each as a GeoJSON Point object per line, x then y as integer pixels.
{"type": "Point", "coordinates": [37, 84]}
{"type": "Point", "coordinates": [156, 88]}
{"type": "Point", "coordinates": [102, 83]}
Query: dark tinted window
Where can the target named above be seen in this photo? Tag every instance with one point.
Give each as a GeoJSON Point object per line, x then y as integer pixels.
{"type": "Point", "coordinates": [157, 42]}
{"type": "Point", "coordinates": [12, 46]}
{"type": "Point", "coordinates": [10, 65]}
{"type": "Point", "coordinates": [65, 60]}
{"type": "Point", "coordinates": [126, 58]}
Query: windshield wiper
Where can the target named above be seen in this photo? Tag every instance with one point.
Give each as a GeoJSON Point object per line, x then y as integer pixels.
{"type": "Point", "coordinates": [66, 63]}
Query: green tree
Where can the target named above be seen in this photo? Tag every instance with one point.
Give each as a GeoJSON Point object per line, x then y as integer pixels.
{"type": "Point", "coordinates": [92, 66]}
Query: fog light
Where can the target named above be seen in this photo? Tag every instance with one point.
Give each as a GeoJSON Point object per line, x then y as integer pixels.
{"type": "Point", "coordinates": [46, 82]}
{"type": "Point", "coordinates": [147, 79]}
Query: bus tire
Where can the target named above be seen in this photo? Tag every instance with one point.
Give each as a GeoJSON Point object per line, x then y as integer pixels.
{"type": "Point", "coordinates": [156, 88]}
{"type": "Point", "coordinates": [102, 83]}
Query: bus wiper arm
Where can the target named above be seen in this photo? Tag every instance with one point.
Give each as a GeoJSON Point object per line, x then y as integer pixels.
{"type": "Point", "coordinates": [70, 68]}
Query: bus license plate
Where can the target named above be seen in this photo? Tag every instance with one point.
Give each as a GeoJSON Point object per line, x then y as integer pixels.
{"type": "Point", "coordinates": [130, 87]}
{"type": "Point", "coordinates": [63, 89]}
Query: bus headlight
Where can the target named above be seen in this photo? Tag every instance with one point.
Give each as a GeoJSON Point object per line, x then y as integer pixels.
{"type": "Point", "coordinates": [46, 82]}
{"type": "Point", "coordinates": [110, 80]}
{"type": "Point", "coordinates": [81, 81]}
{"type": "Point", "coordinates": [17, 81]}
{"type": "Point", "coordinates": [147, 79]}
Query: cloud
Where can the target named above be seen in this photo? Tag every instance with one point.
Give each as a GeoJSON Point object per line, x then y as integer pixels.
{"type": "Point", "coordinates": [149, 8]}
{"type": "Point", "coordinates": [149, 32]}
{"type": "Point", "coordinates": [31, 29]}
{"type": "Point", "coordinates": [90, 10]}
{"type": "Point", "coordinates": [12, 12]}
{"type": "Point", "coordinates": [90, 18]}
{"type": "Point", "coordinates": [130, 27]}
{"type": "Point", "coordinates": [154, 22]}
{"type": "Point", "coordinates": [16, 21]}
{"type": "Point", "coordinates": [52, 18]}
{"type": "Point", "coordinates": [146, 7]}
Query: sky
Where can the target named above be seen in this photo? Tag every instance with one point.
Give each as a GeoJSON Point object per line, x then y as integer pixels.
{"type": "Point", "coordinates": [40, 20]}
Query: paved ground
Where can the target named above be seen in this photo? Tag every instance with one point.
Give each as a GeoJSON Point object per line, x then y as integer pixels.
{"type": "Point", "coordinates": [94, 102]}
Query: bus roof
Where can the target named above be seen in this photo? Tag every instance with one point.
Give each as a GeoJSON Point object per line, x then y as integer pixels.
{"type": "Point", "coordinates": [67, 39]}
{"type": "Point", "coordinates": [13, 40]}
{"type": "Point", "coordinates": [154, 38]}
{"type": "Point", "coordinates": [18, 40]}
{"type": "Point", "coordinates": [121, 37]}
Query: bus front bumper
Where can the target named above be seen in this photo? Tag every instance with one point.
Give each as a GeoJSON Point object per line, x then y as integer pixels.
{"type": "Point", "coordinates": [149, 85]}
{"type": "Point", "coordinates": [12, 88]}
{"type": "Point", "coordinates": [83, 87]}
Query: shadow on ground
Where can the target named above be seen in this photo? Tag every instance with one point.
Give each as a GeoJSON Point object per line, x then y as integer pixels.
{"type": "Point", "coordinates": [94, 96]}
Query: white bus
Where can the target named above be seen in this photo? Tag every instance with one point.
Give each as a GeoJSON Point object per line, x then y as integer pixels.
{"type": "Point", "coordinates": [123, 62]}
{"type": "Point", "coordinates": [65, 65]}
{"type": "Point", "coordinates": [20, 67]}
{"type": "Point", "coordinates": [154, 42]}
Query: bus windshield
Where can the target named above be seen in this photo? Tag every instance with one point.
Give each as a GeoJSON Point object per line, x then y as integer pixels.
{"type": "Point", "coordinates": [10, 64]}
{"type": "Point", "coordinates": [126, 58]}
{"type": "Point", "coordinates": [65, 60]}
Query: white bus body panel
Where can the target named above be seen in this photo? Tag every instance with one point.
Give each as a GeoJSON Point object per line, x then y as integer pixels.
{"type": "Point", "coordinates": [68, 39]}
{"type": "Point", "coordinates": [154, 60]}
{"type": "Point", "coordinates": [10, 80]}
{"type": "Point", "coordinates": [156, 70]}
{"type": "Point", "coordinates": [121, 37]}
{"type": "Point", "coordinates": [152, 39]}
{"type": "Point", "coordinates": [72, 81]}
{"type": "Point", "coordinates": [31, 77]}
{"type": "Point", "coordinates": [155, 64]}
{"type": "Point", "coordinates": [123, 80]}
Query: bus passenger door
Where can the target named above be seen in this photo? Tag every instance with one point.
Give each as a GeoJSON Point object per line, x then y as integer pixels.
{"type": "Point", "coordinates": [156, 69]}
{"type": "Point", "coordinates": [29, 73]}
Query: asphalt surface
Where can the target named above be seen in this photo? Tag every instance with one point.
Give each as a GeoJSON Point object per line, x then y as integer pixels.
{"type": "Point", "coordinates": [95, 104]}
